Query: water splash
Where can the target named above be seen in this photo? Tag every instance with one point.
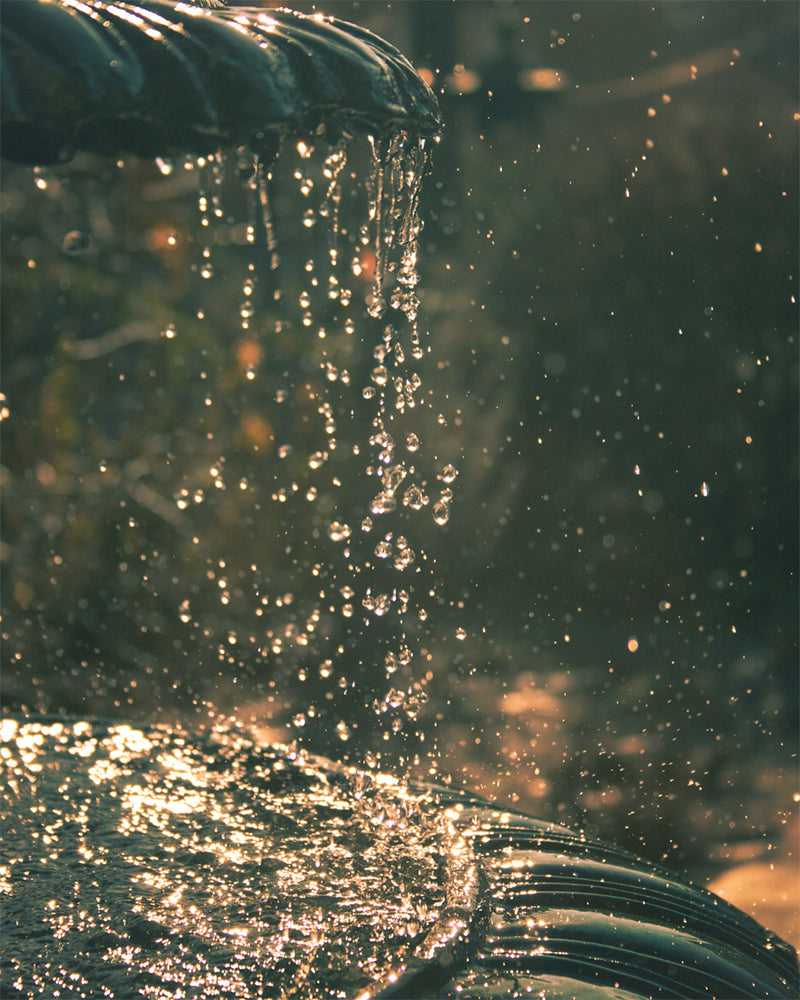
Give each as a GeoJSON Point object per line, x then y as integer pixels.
{"type": "Point", "coordinates": [303, 881]}
{"type": "Point", "coordinates": [351, 440]}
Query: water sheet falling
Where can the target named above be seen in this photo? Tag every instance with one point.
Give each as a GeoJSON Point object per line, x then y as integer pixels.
{"type": "Point", "coordinates": [353, 433]}
{"type": "Point", "coordinates": [376, 579]}
{"type": "Point", "coordinates": [251, 84]}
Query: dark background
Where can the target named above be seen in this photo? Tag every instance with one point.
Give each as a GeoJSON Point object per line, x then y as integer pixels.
{"type": "Point", "coordinates": [609, 278]}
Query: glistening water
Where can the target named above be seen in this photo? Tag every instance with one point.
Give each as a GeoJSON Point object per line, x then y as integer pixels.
{"type": "Point", "coordinates": [318, 453]}
{"type": "Point", "coordinates": [609, 282]}
{"type": "Point", "coordinates": [214, 867]}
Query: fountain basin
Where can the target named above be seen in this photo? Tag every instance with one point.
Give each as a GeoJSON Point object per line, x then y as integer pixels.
{"type": "Point", "coordinates": [141, 859]}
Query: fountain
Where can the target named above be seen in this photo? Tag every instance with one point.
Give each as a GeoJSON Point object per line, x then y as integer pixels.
{"type": "Point", "coordinates": [145, 859]}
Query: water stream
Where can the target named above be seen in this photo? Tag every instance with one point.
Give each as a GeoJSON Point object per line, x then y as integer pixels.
{"type": "Point", "coordinates": [374, 477]}
{"type": "Point", "coordinates": [155, 850]}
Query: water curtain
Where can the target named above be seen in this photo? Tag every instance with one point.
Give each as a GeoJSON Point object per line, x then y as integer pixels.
{"type": "Point", "coordinates": [247, 81]}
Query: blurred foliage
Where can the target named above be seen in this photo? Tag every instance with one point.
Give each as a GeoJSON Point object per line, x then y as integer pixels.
{"type": "Point", "coordinates": [609, 278]}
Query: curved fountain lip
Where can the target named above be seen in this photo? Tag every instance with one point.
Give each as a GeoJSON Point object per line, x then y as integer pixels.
{"type": "Point", "coordinates": [560, 915]}
{"type": "Point", "coordinates": [169, 79]}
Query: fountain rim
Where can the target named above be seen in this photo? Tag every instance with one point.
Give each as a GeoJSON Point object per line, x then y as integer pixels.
{"type": "Point", "coordinates": [170, 78]}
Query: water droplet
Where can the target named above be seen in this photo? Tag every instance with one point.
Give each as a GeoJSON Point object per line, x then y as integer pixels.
{"type": "Point", "coordinates": [76, 241]}
{"type": "Point", "coordinates": [383, 549]}
{"type": "Point", "coordinates": [414, 498]}
{"type": "Point", "coordinates": [338, 532]}
{"type": "Point", "coordinates": [378, 604]}
{"type": "Point", "coordinates": [383, 503]}
{"type": "Point", "coordinates": [412, 707]}
{"type": "Point", "coordinates": [376, 306]}
{"type": "Point", "coordinates": [449, 473]}
{"type": "Point", "coordinates": [412, 442]}
{"type": "Point", "coordinates": [393, 476]}
{"type": "Point", "coordinates": [403, 557]}
{"type": "Point", "coordinates": [441, 512]}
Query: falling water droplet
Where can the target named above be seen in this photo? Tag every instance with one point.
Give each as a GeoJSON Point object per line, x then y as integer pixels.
{"type": "Point", "coordinates": [449, 473]}
{"type": "Point", "coordinates": [76, 241]}
{"type": "Point", "coordinates": [441, 512]}
{"type": "Point", "coordinates": [383, 503]}
{"type": "Point", "coordinates": [414, 498]}
{"type": "Point", "coordinates": [338, 532]}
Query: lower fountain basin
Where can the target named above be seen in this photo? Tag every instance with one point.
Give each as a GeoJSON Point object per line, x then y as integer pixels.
{"type": "Point", "coordinates": [143, 861]}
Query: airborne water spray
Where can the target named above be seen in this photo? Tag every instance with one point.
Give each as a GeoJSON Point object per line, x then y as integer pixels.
{"type": "Point", "coordinates": [368, 456]}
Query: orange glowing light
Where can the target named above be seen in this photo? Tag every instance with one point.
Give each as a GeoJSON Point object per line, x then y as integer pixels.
{"type": "Point", "coordinates": [249, 353]}
{"type": "Point", "coordinates": [256, 431]}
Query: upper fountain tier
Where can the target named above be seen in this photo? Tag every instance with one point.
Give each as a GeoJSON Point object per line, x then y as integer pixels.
{"type": "Point", "coordinates": [166, 79]}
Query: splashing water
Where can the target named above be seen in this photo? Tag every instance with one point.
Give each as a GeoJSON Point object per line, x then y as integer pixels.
{"type": "Point", "coordinates": [309, 881]}
{"type": "Point", "coordinates": [351, 437]}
